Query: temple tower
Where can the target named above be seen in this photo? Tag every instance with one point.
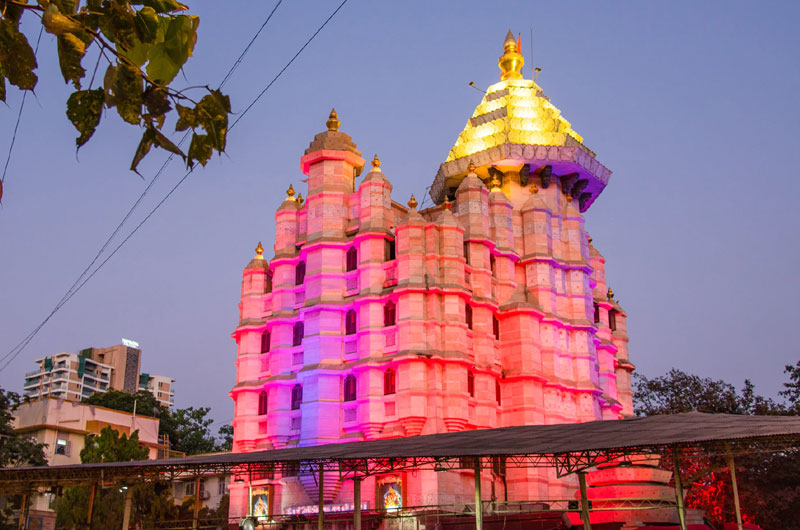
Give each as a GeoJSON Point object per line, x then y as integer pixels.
{"type": "Point", "coordinates": [489, 309]}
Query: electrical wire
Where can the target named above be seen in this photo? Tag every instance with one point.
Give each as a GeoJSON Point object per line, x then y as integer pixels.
{"type": "Point", "coordinates": [14, 353]}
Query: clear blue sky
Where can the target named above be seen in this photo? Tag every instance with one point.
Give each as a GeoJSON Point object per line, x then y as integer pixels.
{"type": "Point", "coordinates": [692, 105]}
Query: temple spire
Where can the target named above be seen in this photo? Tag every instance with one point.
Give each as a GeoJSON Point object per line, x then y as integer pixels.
{"type": "Point", "coordinates": [511, 61]}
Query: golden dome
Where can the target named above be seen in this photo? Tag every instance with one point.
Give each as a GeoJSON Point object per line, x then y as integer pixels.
{"type": "Point", "coordinates": [333, 121]}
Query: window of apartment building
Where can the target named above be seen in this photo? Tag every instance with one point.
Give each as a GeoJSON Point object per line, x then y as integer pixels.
{"type": "Point", "coordinates": [222, 486]}
{"type": "Point", "coordinates": [262, 403]}
{"type": "Point", "coordinates": [350, 322]}
{"type": "Point", "coordinates": [300, 273]}
{"type": "Point", "coordinates": [468, 315]}
{"type": "Point", "coordinates": [350, 388]}
{"type": "Point", "coordinates": [351, 260]}
{"type": "Point", "coordinates": [496, 327]}
{"type": "Point", "coordinates": [297, 334]}
{"type": "Point", "coordinates": [63, 445]}
{"type": "Point", "coordinates": [297, 396]}
{"type": "Point", "coordinates": [471, 383]}
{"type": "Point", "coordinates": [389, 251]}
{"type": "Point", "coordinates": [612, 319]}
{"type": "Point", "coordinates": [389, 377]}
{"type": "Point", "coordinates": [265, 341]}
{"type": "Point", "coordinates": [389, 314]}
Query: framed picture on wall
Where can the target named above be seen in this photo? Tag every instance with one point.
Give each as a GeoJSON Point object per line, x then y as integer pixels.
{"type": "Point", "coordinates": [389, 494]}
{"type": "Point", "coordinates": [262, 502]}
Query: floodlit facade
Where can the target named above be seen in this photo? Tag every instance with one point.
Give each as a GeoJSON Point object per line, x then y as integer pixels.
{"type": "Point", "coordinates": [76, 376]}
{"type": "Point", "coordinates": [374, 319]}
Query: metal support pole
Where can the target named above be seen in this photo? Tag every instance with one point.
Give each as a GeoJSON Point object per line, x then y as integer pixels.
{"type": "Point", "coordinates": [92, 493]}
{"type": "Point", "coordinates": [23, 508]}
{"type": "Point", "coordinates": [584, 501]}
{"type": "Point", "coordinates": [196, 515]}
{"type": "Point", "coordinates": [356, 503]}
{"type": "Point", "coordinates": [732, 469]}
{"type": "Point", "coordinates": [321, 498]}
{"type": "Point", "coordinates": [478, 503]}
{"type": "Point", "coordinates": [676, 472]}
{"type": "Point", "coordinates": [249, 499]}
{"type": "Point", "coordinates": [126, 515]}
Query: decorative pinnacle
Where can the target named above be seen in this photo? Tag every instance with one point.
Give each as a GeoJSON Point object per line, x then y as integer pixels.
{"type": "Point", "coordinates": [259, 251]}
{"type": "Point", "coordinates": [447, 202]}
{"type": "Point", "coordinates": [569, 197]}
{"type": "Point", "coordinates": [333, 121]}
{"type": "Point", "coordinates": [290, 193]}
{"type": "Point", "coordinates": [494, 184]}
{"type": "Point", "coordinates": [511, 61]}
{"type": "Point", "coordinates": [534, 189]}
{"type": "Point", "coordinates": [300, 199]}
{"type": "Point", "coordinates": [471, 167]}
{"type": "Point", "coordinates": [376, 164]}
{"type": "Point", "coordinates": [412, 203]}
{"type": "Point", "coordinates": [590, 240]}
{"type": "Point", "coordinates": [610, 294]}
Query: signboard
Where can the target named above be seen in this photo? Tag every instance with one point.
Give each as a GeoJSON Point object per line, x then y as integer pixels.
{"type": "Point", "coordinates": [310, 509]}
{"type": "Point", "coordinates": [130, 343]}
{"type": "Point", "coordinates": [262, 503]}
{"type": "Point", "coordinates": [389, 496]}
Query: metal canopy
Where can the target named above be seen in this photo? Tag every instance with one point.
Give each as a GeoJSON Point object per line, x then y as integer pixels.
{"type": "Point", "coordinates": [567, 447]}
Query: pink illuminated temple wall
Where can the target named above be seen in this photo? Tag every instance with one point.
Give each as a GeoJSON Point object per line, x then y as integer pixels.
{"type": "Point", "coordinates": [375, 320]}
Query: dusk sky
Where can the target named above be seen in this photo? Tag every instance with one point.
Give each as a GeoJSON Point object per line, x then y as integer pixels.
{"type": "Point", "coordinates": [692, 105]}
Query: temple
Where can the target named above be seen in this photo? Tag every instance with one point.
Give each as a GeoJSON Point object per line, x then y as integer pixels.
{"type": "Point", "coordinates": [375, 319]}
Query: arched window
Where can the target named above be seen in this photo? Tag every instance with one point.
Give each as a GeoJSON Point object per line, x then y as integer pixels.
{"type": "Point", "coordinates": [350, 323]}
{"type": "Point", "coordinates": [496, 327]}
{"type": "Point", "coordinates": [297, 334]}
{"type": "Point", "coordinates": [297, 396]}
{"type": "Point", "coordinates": [497, 393]}
{"type": "Point", "coordinates": [612, 319]}
{"type": "Point", "coordinates": [265, 341]}
{"type": "Point", "coordinates": [351, 263]}
{"type": "Point", "coordinates": [389, 381]}
{"type": "Point", "coordinates": [388, 249]}
{"type": "Point", "coordinates": [468, 315]}
{"type": "Point", "coordinates": [350, 388]}
{"type": "Point", "coordinates": [300, 273]}
{"type": "Point", "coordinates": [471, 383]}
{"type": "Point", "coordinates": [493, 265]}
{"type": "Point", "coordinates": [262, 403]}
{"type": "Point", "coordinates": [389, 314]}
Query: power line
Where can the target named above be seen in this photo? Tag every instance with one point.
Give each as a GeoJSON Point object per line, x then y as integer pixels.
{"type": "Point", "coordinates": [19, 115]}
{"type": "Point", "coordinates": [14, 353]}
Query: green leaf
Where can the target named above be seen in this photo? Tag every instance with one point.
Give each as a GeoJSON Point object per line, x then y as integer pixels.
{"type": "Point", "coordinates": [164, 6]}
{"type": "Point", "coordinates": [212, 114]}
{"type": "Point", "coordinates": [57, 23]}
{"type": "Point", "coordinates": [71, 50]}
{"type": "Point", "coordinates": [118, 25]}
{"type": "Point", "coordinates": [199, 149]}
{"type": "Point", "coordinates": [16, 56]}
{"type": "Point", "coordinates": [2, 84]}
{"type": "Point", "coordinates": [187, 118]}
{"type": "Point", "coordinates": [84, 108]}
{"type": "Point", "coordinates": [66, 6]}
{"type": "Point", "coordinates": [127, 93]}
{"type": "Point", "coordinates": [165, 143]}
{"type": "Point", "coordinates": [144, 147]}
{"type": "Point", "coordinates": [167, 57]}
{"type": "Point", "coordinates": [156, 101]}
{"type": "Point", "coordinates": [147, 24]}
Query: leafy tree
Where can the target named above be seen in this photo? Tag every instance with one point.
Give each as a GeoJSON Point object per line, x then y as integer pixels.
{"type": "Point", "coordinates": [110, 446]}
{"type": "Point", "coordinates": [143, 44]}
{"type": "Point", "coordinates": [192, 433]}
{"type": "Point", "coordinates": [769, 483]}
{"type": "Point", "coordinates": [226, 435]}
{"type": "Point", "coordinates": [16, 450]}
{"type": "Point", "coordinates": [145, 402]}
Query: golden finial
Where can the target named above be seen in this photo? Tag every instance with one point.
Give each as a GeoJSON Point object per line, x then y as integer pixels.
{"type": "Point", "coordinates": [610, 294]}
{"type": "Point", "coordinates": [333, 121]}
{"type": "Point", "coordinates": [447, 202]}
{"type": "Point", "coordinates": [259, 251]}
{"type": "Point", "coordinates": [376, 164]}
{"type": "Point", "coordinates": [300, 199]}
{"type": "Point", "coordinates": [590, 240]}
{"type": "Point", "coordinates": [290, 193]}
{"type": "Point", "coordinates": [471, 167]}
{"type": "Point", "coordinates": [494, 184]}
{"type": "Point", "coordinates": [534, 189]}
{"type": "Point", "coordinates": [569, 197]}
{"type": "Point", "coordinates": [413, 202]}
{"type": "Point", "coordinates": [511, 61]}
